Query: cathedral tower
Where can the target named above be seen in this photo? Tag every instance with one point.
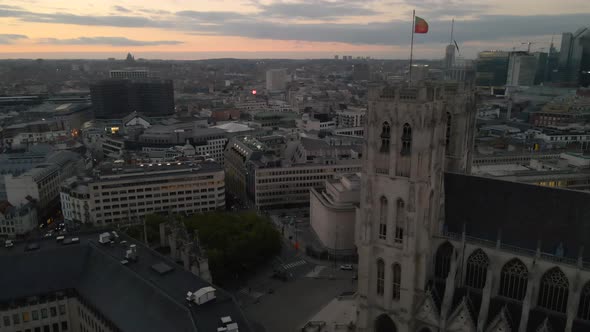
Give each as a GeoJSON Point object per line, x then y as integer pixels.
{"type": "Point", "coordinates": [408, 130]}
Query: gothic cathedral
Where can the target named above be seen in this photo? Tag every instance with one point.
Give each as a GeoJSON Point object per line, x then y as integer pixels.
{"type": "Point", "coordinates": [414, 133]}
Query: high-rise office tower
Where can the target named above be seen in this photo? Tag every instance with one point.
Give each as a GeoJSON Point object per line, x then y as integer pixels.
{"type": "Point", "coordinates": [542, 74]}
{"type": "Point", "coordinates": [114, 99]}
{"type": "Point", "coordinates": [574, 58]}
{"type": "Point", "coordinates": [522, 68]}
{"type": "Point", "coordinates": [491, 68]}
{"type": "Point", "coordinates": [449, 60]}
{"type": "Point", "coordinates": [276, 80]}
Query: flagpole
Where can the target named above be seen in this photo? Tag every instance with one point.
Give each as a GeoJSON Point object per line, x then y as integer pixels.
{"type": "Point", "coordinates": [412, 43]}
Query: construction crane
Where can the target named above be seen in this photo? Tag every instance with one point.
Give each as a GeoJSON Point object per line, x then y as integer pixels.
{"type": "Point", "coordinates": [529, 46]}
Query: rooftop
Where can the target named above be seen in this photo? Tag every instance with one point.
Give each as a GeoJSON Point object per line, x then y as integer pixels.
{"type": "Point", "coordinates": [152, 301]}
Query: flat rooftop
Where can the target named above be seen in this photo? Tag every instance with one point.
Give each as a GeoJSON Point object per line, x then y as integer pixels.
{"type": "Point", "coordinates": [146, 295]}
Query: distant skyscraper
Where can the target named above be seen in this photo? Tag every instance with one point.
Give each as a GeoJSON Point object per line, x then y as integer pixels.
{"type": "Point", "coordinates": [114, 99]}
{"type": "Point", "coordinates": [491, 68]}
{"type": "Point", "coordinates": [542, 74]}
{"type": "Point", "coordinates": [360, 71]}
{"type": "Point", "coordinates": [276, 80]}
{"type": "Point", "coordinates": [522, 68]}
{"type": "Point", "coordinates": [336, 57]}
{"type": "Point", "coordinates": [449, 56]}
{"type": "Point", "coordinates": [574, 58]}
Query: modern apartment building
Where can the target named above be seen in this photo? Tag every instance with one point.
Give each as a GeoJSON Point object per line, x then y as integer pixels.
{"type": "Point", "coordinates": [124, 194]}
{"type": "Point", "coordinates": [278, 187]}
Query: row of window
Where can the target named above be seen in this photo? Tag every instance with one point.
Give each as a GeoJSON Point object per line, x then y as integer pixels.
{"type": "Point", "coordinates": [308, 171]}
{"type": "Point", "coordinates": [55, 327]}
{"type": "Point", "coordinates": [179, 182]}
{"type": "Point", "coordinates": [157, 209]}
{"type": "Point", "coordinates": [514, 276]}
{"type": "Point", "coordinates": [34, 315]}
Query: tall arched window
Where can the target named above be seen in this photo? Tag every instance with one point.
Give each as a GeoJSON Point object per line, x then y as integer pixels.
{"type": "Point", "coordinates": [385, 137]}
{"type": "Point", "coordinates": [406, 140]}
{"type": "Point", "coordinates": [514, 280]}
{"type": "Point", "coordinates": [442, 263]}
{"type": "Point", "coordinates": [448, 132]}
{"type": "Point", "coordinates": [383, 218]}
{"type": "Point", "coordinates": [380, 277]}
{"type": "Point", "coordinates": [584, 306]}
{"type": "Point", "coordinates": [554, 290]}
{"type": "Point", "coordinates": [477, 269]}
{"type": "Point", "coordinates": [399, 221]}
{"type": "Point", "coordinates": [397, 281]}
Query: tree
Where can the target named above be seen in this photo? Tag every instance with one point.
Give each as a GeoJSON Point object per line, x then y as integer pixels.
{"type": "Point", "coordinates": [235, 243]}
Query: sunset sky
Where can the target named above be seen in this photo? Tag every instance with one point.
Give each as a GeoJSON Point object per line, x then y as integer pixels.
{"type": "Point", "coordinates": [195, 29]}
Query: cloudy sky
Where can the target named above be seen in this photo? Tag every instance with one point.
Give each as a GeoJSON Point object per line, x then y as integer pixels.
{"type": "Point", "coordinates": [194, 29]}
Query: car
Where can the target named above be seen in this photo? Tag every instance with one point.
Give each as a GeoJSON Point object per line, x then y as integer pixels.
{"type": "Point", "coordinates": [8, 244]}
{"type": "Point", "coordinates": [346, 267]}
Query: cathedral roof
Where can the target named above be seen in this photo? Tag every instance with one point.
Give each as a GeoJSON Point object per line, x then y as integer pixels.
{"type": "Point", "coordinates": [512, 310]}
{"type": "Point", "coordinates": [539, 318]}
{"type": "Point", "coordinates": [524, 214]}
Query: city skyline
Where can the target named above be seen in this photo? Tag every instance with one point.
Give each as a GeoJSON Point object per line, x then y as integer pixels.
{"type": "Point", "coordinates": [262, 29]}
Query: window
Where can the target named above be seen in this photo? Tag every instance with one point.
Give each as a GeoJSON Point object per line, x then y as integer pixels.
{"type": "Point", "coordinates": [442, 263]}
{"type": "Point", "coordinates": [53, 311]}
{"type": "Point", "coordinates": [15, 319]}
{"type": "Point", "coordinates": [448, 132]}
{"type": "Point", "coordinates": [380, 277]}
{"type": "Point", "coordinates": [514, 280]}
{"type": "Point", "coordinates": [584, 306]}
{"type": "Point", "coordinates": [6, 321]}
{"type": "Point", "coordinates": [64, 326]}
{"type": "Point", "coordinates": [26, 317]}
{"type": "Point", "coordinates": [55, 327]}
{"type": "Point", "coordinates": [399, 221]}
{"type": "Point", "coordinates": [554, 290]}
{"type": "Point", "coordinates": [383, 218]}
{"type": "Point", "coordinates": [385, 137]}
{"type": "Point", "coordinates": [406, 140]}
{"type": "Point", "coordinates": [43, 313]}
{"type": "Point", "coordinates": [477, 269]}
{"type": "Point", "coordinates": [62, 309]}
{"type": "Point", "coordinates": [397, 278]}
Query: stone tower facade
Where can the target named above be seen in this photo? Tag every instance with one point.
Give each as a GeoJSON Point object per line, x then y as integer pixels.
{"type": "Point", "coordinates": [408, 130]}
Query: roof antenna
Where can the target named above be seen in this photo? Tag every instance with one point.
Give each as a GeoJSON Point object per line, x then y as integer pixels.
{"type": "Point", "coordinates": [452, 30]}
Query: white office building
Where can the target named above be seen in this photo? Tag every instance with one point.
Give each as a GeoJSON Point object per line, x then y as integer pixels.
{"type": "Point", "coordinates": [126, 193]}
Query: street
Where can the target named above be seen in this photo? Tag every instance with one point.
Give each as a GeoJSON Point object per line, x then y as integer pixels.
{"type": "Point", "coordinates": [274, 305]}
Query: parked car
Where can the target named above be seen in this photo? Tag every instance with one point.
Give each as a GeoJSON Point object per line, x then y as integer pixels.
{"type": "Point", "coordinates": [346, 267]}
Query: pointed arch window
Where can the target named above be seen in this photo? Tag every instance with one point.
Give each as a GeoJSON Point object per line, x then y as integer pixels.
{"type": "Point", "coordinates": [380, 277]}
{"type": "Point", "coordinates": [584, 306]}
{"type": "Point", "coordinates": [383, 218]}
{"type": "Point", "coordinates": [514, 280]}
{"type": "Point", "coordinates": [406, 140]}
{"type": "Point", "coordinates": [397, 281]}
{"type": "Point", "coordinates": [442, 263]}
{"type": "Point", "coordinates": [385, 137]}
{"type": "Point", "coordinates": [477, 269]}
{"type": "Point", "coordinates": [448, 132]}
{"type": "Point", "coordinates": [554, 290]}
{"type": "Point", "coordinates": [399, 221]}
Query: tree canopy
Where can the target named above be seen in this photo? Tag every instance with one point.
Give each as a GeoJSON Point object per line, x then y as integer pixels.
{"type": "Point", "coordinates": [235, 243]}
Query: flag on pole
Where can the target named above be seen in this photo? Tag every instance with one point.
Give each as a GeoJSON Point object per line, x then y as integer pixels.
{"type": "Point", "coordinates": [420, 25]}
